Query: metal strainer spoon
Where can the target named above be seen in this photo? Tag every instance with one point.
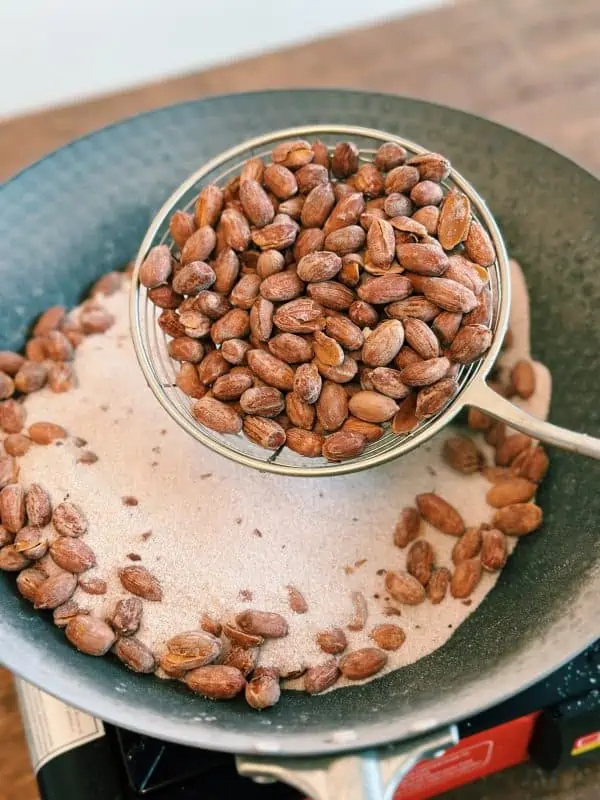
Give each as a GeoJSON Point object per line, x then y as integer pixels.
{"type": "Point", "coordinates": [159, 370]}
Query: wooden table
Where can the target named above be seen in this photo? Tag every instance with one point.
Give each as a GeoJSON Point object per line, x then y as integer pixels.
{"type": "Point", "coordinates": [530, 64]}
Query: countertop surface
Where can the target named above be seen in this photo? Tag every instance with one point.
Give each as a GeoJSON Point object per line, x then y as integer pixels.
{"type": "Point", "coordinates": [533, 65]}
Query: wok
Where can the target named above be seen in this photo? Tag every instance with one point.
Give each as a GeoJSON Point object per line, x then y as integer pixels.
{"type": "Point", "coordinates": [84, 209]}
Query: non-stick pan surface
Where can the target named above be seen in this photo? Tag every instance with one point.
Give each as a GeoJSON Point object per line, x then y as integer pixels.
{"type": "Point", "coordinates": [83, 210]}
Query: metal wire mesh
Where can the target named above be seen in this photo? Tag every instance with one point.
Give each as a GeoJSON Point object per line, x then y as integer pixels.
{"type": "Point", "coordinates": [151, 344]}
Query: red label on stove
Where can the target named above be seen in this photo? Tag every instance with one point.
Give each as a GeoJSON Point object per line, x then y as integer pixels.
{"type": "Point", "coordinates": [456, 767]}
{"type": "Point", "coordinates": [472, 758]}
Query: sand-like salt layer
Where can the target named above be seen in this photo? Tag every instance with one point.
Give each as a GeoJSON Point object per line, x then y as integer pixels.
{"type": "Point", "coordinates": [222, 533]}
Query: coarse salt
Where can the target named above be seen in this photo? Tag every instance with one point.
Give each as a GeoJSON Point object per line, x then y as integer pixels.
{"type": "Point", "coordinates": [222, 538]}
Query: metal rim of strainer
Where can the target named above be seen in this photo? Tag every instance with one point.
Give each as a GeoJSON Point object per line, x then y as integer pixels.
{"type": "Point", "coordinates": [150, 342]}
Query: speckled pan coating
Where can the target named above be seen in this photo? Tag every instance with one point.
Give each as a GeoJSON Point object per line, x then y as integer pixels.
{"type": "Point", "coordinates": [84, 209]}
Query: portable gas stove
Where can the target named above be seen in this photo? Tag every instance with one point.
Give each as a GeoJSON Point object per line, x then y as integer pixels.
{"type": "Point", "coordinates": [76, 757]}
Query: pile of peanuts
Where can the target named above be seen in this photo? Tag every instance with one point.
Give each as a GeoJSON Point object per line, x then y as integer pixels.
{"type": "Point", "coordinates": [318, 297]}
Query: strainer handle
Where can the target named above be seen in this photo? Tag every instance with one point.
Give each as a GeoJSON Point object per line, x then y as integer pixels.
{"type": "Point", "coordinates": [479, 395]}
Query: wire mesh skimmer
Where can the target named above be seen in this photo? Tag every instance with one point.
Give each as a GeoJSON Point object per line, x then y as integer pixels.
{"type": "Point", "coordinates": [159, 369]}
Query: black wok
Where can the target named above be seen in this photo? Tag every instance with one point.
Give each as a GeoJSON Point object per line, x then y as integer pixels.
{"type": "Point", "coordinates": [84, 209]}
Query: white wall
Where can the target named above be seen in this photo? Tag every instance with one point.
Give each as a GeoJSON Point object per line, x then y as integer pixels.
{"type": "Point", "coordinates": [54, 51]}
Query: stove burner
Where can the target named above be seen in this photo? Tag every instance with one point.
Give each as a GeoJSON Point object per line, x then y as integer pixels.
{"type": "Point", "coordinates": [156, 769]}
